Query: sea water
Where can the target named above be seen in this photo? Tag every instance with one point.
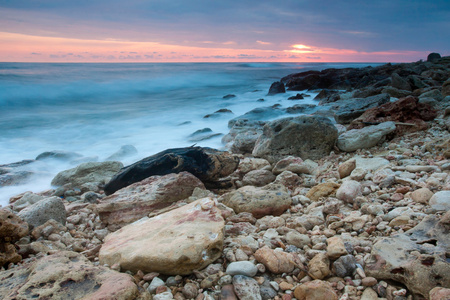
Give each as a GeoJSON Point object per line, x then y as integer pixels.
{"type": "Point", "coordinates": [94, 109]}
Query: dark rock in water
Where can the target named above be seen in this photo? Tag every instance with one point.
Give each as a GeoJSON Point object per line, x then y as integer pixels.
{"type": "Point", "coordinates": [14, 177]}
{"type": "Point", "coordinates": [202, 134]}
{"type": "Point", "coordinates": [296, 97]}
{"type": "Point", "coordinates": [184, 123]}
{"type": "Point", "coordinates": [229, 96]}
{"type": "Point", "coordinates": [218, 113]}
{"type": "Point", "coordinates": [261, 100]}
{"type": "Point", "coordinates": [308, 137]}
{"type": "Point", "coordinates": [432, 57]}
{"type": "Point", "coordinates": [406, 110]}
{"type": "Point", "coordinates": [276, 88]}
{"type": "Point", "coordinates": [417, 258]}
{"type": "Point", "coordinates": [300, 108]}
{"type": "Point", "coordinates": [18, 164]}
{"type": "Point", "coordinates": [205, 163]}
{"type": "Point", "coordinates": [58, 155]}
{"type": "Point", "coordinates": [327, 96]}
{"type": "Point", "coordinates": [258, 114]}
{"type": "Point", "coordinates": [123, 152]}
{"type": "Point", "coordinates": [353, 108]}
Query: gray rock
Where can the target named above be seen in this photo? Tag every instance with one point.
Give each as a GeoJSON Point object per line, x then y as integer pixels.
{"type": "Point", "coordinates": [400, 83]}
{"type": "Point", "coordinates": [156, 282]}
{"type": "Point", "coordinates": [366, 137]}
{"type": "Point", "coordinates": [344, 265]}
{"type": "Point", "coordinates": [353, 108]}
{"type": "Point", "coordinates": [267, 293]}
{"type": "Point", "coordinates": [124, 152]}
{"type": "Point", "coordinates": [308, 137]}
{"type": "Point", "coordinates": [441, 200]}
{"type": "Point", "coordinates": [59, 155]}
{"type": "Point", "coordinates": [246, 288]}
{"type": "Point", "coordinates": [242, 268]}
{"type": "Point", "coordinates": [44, 210]}
{"type": "Point", "coordinates": [297, 239]}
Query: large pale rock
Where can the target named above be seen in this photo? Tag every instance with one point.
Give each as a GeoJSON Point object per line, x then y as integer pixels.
{"type": "Point", "coordinates": [207, 164]}
{"type": "Point", "coordinates": [417, 258]}
{"type": "Point", "coordinates": [336, 247]}
{"type": "Point", "coordinates": [349, 190]}
{"type": "Point", "coordinates": [310, 137]}
{"type": "Point", "coordinates": [65, 275]}
{"type": "Point", "coordinates": [370, 164]}
{"type": "Point", "coordinates": [44, 210]}
{"type": "Point", "coordinates": [439, 293]}
{"type": "Point", "coordinates": [98, 172]}
{"type": "Point", "coordinates": [258, 178]}
{"type": "Point", "coordinates": [322, 190]}
{"type": "Point", "coordinates": [366, 137]}
{"type": "Point", "coordinates": [174, 243]}
{"type": "Point", "coordinates": [422, 195]}
{"type": "Point", "coordinates": [441, 200]}
{"type": "Point", "coordinates": [276, 261]}
{"type": "Point", "coordinates": [315, 290]}
{"type": "Point", "coordinates": [319, 266]}
{"type": "Point", "coordinates": [272, 199]}
{"type": "Point", "coordinates": [139, 199]}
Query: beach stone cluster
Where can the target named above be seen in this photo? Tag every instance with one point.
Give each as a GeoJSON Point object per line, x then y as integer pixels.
{"type": "Point", "coordinates": [342, 205]}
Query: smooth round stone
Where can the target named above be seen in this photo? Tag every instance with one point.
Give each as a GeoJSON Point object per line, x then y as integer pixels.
{"type": "Point", "coordinates": [242, 268]}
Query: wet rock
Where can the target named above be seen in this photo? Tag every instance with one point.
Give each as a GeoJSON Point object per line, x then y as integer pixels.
{"type": "Point", "coordinates": [202, 135]}
{"type": "Point", "coordinates": [205, 163]}
{"type": "Point", "coordinates": [366, 137]}
{"type": "Point", "coordinates": [139, 199]}
{"type": "Point", "coordinates": [336, 247]}
{"type": "Point", "coordinates": [246, 288]}
{"type": "Point", "coordinates": [258, 178]}
{"type": "Point", "coordinates": [354, 108]}
{"type": "Point", "coordinates": [296, 97]}
{"type": "Point", "coordinates": [276, 261]}
{"type": "Point", "coordinates": [66, 275]}
{"type": "Point", "coordinates": [276, 88]}
{"type": "Point", "coordinates": [272, 199]}
{"type": "Point", "coordinates": [242, 268]}
{"type": "Point", "coordinates": [416, 258]}
{"type": "Point", "coordinates": [124, 152]}
{"type": "Point", "coordinates": [254, 117]}
{"type": "Point", "coordinates": [174, 243]}
{"type": "Point", "coordinates": [319, 266]}
{"type": "Point", "coordinates": [228, 96]}
{"type": "Point", "coordinates": [346, 168]}
{"type": "Point", "coordinates": [315, 290]}
{"type": "Point", "coordinates": [344, 265]}
{"type": "Point", "coordinates": [59, 155]}
{"type": "Point", "coordinates": [349, 190]}
{"type": "Point", "coordinates": [98, 172]}
{"type": "Point", "coordinates": [308, 137]}
{"type": "Point", "coordinates": [322, 190]}
{"type": "Point", "coordinates": [44, 210]}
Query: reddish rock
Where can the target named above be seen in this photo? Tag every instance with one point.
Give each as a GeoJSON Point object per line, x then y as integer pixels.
{"type": "Point", "coordinates": [276, 261]}
{"type": "Point", "coordinates": [440, 293]}
{"type": "Point", "coordinates": [406, 110]}
{"type": "Point", "coordinates": [315, 290]}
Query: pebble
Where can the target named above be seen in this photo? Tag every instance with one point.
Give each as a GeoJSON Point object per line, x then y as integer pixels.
{"type": "Point", "coordinates": [246, 288]}
{"type": "Point", "coordinates": [242, 268]}
{"type": "Point", "coordinates": [156, 282]}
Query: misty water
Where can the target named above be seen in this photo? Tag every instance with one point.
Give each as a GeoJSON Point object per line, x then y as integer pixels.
{"type": "Point", "coordinates": [94, 109]}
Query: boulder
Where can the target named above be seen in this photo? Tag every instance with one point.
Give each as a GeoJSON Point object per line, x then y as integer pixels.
{"type": "Point", "coordinates": [440, 293]}
{"type": "Point", "coordinates": [417, 258]}
{"type": "Point", "coordinates": [432, 57]}
{"type": "Point", "coordinates": [276, 88]}
{"type": "Point", "coordinates": [308, 137]}
{"type": "Point", "coordinates": [13, 173]}
{"type": "Point", "coordinates": [174, 243]}
{"type": "Point", "coordinates": [243, 135]}
{"type": "Point", "coordinates": [65, 275]}
{"type": "Point", "coordinates": [353, 108]}
{"type": "Point", "coordinates": [205, 163]}
{"type": "Point", "coordinates": [272, 199]}
{"type": "Point", "coordinates": [398, 82]}
{"type": "Point", "coordinates": [366, 137]}
{"type": "Point", "coordinates": [59, 155]}
{"type": "Point", "coordinates": [315, 290]}
{"type": "Point", "coordinates": [406, 110]}
{"type": "Point", "coordinates": [440, 200]}
{"type": "Point", "coordinates": [98, 172]}
{"type": "Point", "coordinates": [396, 93]}
{"type": "Point", "coordinates": [446, 88]}
{"type": "Point", "coordinates": [12, 228]}
{"type": "Point", "coordinates": [258, 177]}
{"type": "Point", "coordinates": [139, 199]}
{"type": "Point", "coordinates": [44, 210]}
{"type": "Point", "coordinates": [258, 114]}
{"type": "Point", "coordinates": [276, 261]}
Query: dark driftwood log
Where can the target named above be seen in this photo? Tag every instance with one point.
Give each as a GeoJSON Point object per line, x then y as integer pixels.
{"type": "Point", "coordinates": [205, 163]}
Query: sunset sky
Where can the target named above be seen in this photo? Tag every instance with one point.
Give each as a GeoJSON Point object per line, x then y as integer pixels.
{"type": "Point", "coordinates": [223, 31]}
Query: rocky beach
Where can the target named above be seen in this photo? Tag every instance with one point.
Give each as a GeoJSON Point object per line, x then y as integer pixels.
{"type": "Point", "coordinates": [348, 201]}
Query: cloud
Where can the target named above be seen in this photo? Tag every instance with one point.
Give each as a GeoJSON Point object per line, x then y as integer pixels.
{"type": "Point", "coordinates": [263, 43]}
{"type": "Point", "coordinates": [35, 53]}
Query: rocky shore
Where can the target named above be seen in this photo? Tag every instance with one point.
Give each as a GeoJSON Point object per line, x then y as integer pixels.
{"type": "Point", "coordinates": [349, 202]}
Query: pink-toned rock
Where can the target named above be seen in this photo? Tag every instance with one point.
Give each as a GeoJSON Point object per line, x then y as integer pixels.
{"type": "Point", "coordinates": [249, 164]}
{"type": "Point", "coordinates": [65, 275]}
{"type": "Point", "coordinates": [322, 190]}
{"type": "Point", "coordinates": [272, 199]}
{"type": "Point", "coordinates": [349, 190]}
{"type": "Point", "coordinates": [289, 179]}
{"type": "Point", "coordinates": [422, 195]}
{"type": "Point", "coordinates": [319, 266]}
{"type": "Point", "coordinates": [258, 177]}
{"type": "Point", "coordinates": [440, 293]}
{"type": "Point", "coordinates": [276, 261]}
{"type": "Point", "coordinates": [139, 199]}
{"type": "Point", "coordinates": [346, 168]}
{"type": "Point", "coordinates": [174, 243]}
{"type": "Point", "coordinates": [292, 164]}
{"type": "Point", "coordinates": [315, 290]}
{"type": "Point", "coordinates": [336, 247]}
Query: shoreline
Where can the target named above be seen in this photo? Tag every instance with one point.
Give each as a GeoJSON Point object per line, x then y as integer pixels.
{"type": "Point", "coordinates": [315, 208]}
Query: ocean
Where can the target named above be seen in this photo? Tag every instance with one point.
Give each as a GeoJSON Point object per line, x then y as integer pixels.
{"type": "Point", "coordinates": [93, 109]}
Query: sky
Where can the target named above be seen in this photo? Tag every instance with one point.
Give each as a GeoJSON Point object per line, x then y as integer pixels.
{"type": "Point", "coordinates": [223, 31]}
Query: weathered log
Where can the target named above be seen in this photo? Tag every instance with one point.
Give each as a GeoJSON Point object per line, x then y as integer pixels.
{"type": "Point", "coordinates": [207, 164]}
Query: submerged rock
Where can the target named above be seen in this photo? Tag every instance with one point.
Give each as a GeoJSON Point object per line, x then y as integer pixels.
{"type": "Point", "coordinates": [276, 88]}
{"type": "Point", "coordinates": [175, 243]}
